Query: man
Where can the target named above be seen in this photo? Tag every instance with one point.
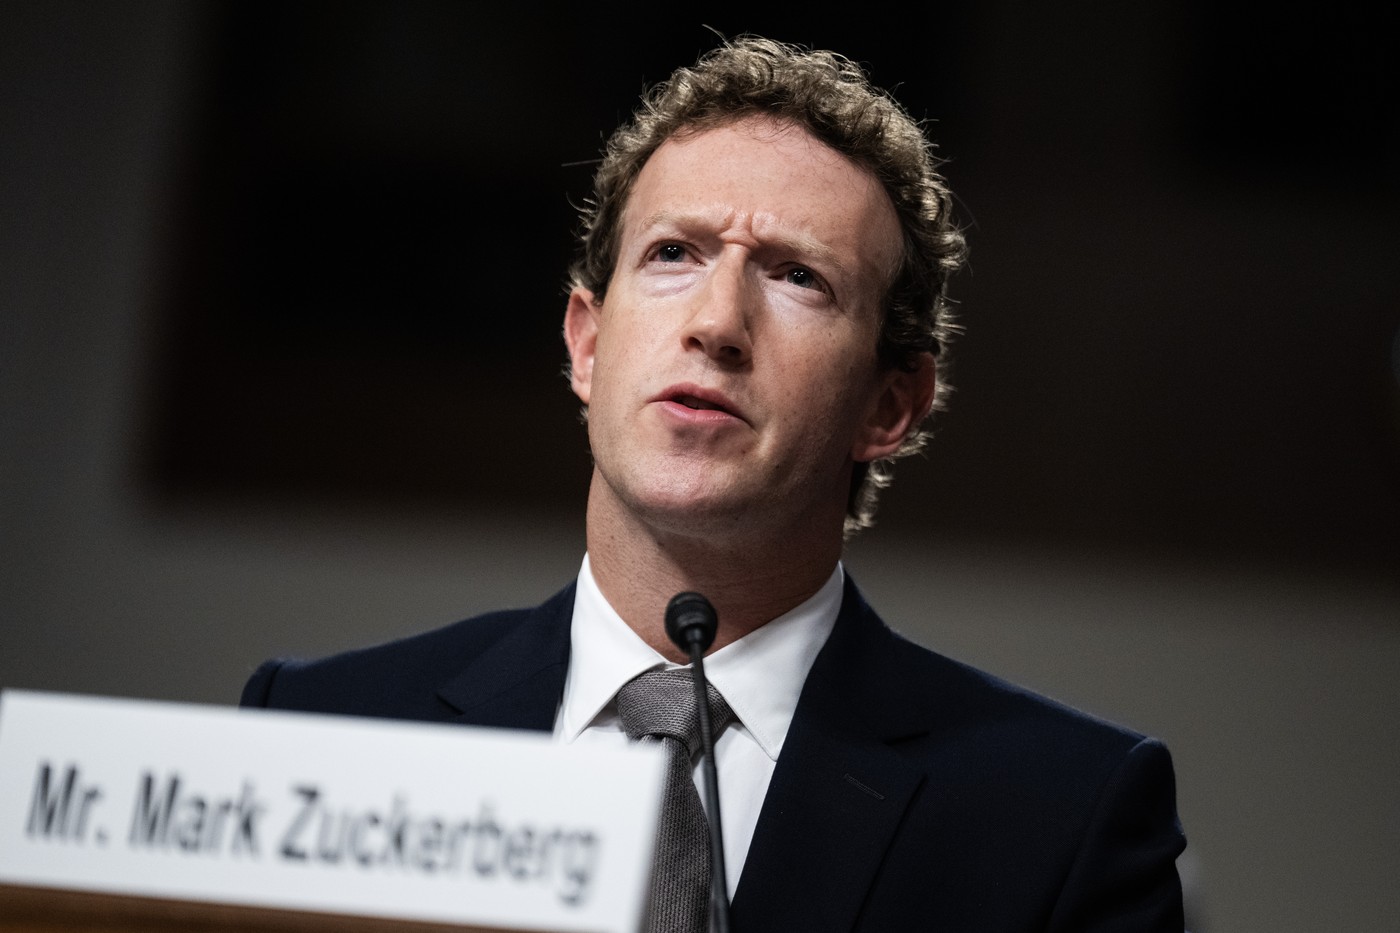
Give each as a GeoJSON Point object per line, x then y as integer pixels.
{"type": "Point", "coordinates": [754, 329]}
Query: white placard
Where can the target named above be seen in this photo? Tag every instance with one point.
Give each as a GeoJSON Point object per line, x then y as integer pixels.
{"type": "Point", "coordinates": [324, 813]}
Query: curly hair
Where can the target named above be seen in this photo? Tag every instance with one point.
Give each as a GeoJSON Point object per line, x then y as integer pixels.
{"type": "Point", "coordinates": [832, 98]}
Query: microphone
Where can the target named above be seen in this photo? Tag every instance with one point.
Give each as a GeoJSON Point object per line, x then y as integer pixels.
{"type": "Point", "coordinates": [691, 620]}
{"type": "Point", "coordinates": [691, 625]}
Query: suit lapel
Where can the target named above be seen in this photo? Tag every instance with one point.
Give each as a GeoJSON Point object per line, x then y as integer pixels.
{"type": "Point", "coordinates": [517, 681]}
{"type": "Point", "coordinates": [839, 791]}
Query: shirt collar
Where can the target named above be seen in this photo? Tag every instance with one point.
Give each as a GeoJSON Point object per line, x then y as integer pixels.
{"type": "Point", "coordinates": [604, 654]}
{"type": "Point", "coordinates": [760, 675]}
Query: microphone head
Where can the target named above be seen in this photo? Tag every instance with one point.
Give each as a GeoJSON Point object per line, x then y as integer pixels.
{"type": "Point", "coordinates": [691, 620]}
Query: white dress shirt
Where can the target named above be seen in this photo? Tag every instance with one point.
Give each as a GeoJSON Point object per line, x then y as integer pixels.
{"type": "Point", "coordinates": [760, 676]}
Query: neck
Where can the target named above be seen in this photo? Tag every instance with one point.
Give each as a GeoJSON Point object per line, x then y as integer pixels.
{"type": "Point", "coordinates": [749, 576]}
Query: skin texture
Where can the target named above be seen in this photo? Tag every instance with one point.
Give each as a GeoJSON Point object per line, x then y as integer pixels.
{"type": "Point", "coordinates": [731, 375]}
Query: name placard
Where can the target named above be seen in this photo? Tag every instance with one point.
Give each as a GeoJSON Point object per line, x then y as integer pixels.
{"type": "Point", "coordinates": [321, 813]}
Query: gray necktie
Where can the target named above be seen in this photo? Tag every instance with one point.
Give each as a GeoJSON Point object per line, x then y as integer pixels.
{"type": "Point", "coordinates": [660, 707]}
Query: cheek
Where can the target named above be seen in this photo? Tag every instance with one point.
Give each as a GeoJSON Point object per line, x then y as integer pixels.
{"type": "Point", "coordinates": [836, 402]}
{"type": "Point", "coordinates": [828, 368]}
{"type": "Point", "coordinates": [627, 326]}
{"type": "Point", "coordinates": [623, 357]}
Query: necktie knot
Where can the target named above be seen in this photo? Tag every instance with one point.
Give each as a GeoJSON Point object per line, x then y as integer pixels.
{"type": "Point", "coordinates": [662, 704]}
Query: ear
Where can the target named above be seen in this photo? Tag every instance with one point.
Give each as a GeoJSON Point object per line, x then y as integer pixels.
{"type": "Point", "coordinates": [904, 400]}
{"type": "Point", "coordinates": [581, 337]}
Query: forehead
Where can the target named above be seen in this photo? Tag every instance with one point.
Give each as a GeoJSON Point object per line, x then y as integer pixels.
{"type": "Point", "coordinates": [767, 180]}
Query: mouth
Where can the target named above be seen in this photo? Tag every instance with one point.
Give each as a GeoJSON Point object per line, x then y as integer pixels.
{"type": "Point", "coordinates": [697, 398]}
{"type": "Point", "coordinates": [696, 403]}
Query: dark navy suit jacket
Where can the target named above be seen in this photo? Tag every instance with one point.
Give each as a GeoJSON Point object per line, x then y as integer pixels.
{"type": "Point", "coordinates": [912, 792]}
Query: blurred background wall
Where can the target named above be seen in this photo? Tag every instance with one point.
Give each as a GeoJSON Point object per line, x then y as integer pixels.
{"type": "Point", "coordinates": [279, 358]}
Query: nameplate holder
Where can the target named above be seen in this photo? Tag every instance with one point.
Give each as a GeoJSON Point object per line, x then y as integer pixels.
{"type": "Point", "coordinates": [325, 814]}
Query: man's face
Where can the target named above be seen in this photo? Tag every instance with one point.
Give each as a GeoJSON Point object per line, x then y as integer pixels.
{"type": "Point", "coordinates": [731, 374]}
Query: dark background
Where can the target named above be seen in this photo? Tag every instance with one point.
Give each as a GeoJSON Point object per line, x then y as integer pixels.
{"type": "Point", "coordinates": [1181, 307]}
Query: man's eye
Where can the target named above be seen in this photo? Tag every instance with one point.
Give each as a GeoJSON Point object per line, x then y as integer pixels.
{"type": "Point", "coordinates": [803, 278]}
{"type": "Point", "coordinates": [671, 252]}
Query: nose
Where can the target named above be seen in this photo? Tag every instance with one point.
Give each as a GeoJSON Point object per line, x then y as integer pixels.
{"type": "Point", "coordinates": [720, 322]}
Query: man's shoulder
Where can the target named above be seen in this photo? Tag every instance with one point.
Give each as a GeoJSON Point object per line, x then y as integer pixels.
{"type": "Point", "coordinates": [995, 699]}
{"type": "Point", "coordinates": [930, 701]}
{"type": "Point", "coordinates": [401, 678]}
{"type": "Point", "coordinates": [991, 781]}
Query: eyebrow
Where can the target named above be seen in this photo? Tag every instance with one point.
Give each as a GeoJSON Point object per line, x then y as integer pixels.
{"type": "Point", "coordinates": [794, 241]}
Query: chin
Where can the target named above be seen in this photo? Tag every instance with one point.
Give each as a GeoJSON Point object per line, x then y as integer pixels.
{"type": "Point", "coordinates": [698, 514]}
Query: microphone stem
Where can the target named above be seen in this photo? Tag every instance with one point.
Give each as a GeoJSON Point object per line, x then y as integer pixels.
{"type": "Point", "coordinates": [719, 883]}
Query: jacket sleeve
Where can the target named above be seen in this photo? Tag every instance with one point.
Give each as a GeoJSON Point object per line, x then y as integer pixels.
{"type": "Point", "coordinates": [258, 690]}
{"type": "Point", "coordinates": [1124, 878]}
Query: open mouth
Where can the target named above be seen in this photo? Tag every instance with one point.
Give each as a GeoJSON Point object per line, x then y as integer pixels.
{"type": "Point", "coordinates": [698, 398]}
{"type": "Point", "coordinates": [699, 404]}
